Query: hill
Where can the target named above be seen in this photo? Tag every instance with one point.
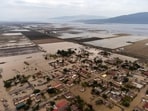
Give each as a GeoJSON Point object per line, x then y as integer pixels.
{"type": "Point", "coordinates": [138, 18]}
{"type": "Point", "coordinates": [75, 18]}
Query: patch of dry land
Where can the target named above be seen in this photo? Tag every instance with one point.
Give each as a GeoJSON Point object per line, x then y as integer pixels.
{"type": "Point", "coordinates": [138, 49]}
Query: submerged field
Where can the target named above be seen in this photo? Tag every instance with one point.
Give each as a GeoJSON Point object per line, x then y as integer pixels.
{"type": "Point", "coordinates": [40, 59]}
{"type": "Point", "coordinates": [16, 44]}
{"type": "Point", "coordinates": [123, 38]}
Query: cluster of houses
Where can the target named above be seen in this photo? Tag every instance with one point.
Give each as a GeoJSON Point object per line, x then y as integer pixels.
{"type": "Point", "coordinates": [111, 79]}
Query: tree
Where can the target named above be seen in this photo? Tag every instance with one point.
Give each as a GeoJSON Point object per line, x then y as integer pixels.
{"type": "Point", "coordinates": [124, 89]}
{"type": "Point", "coordinates": [29, 101]}
{"type": "Point", "coordinates": [115, 78]}
{"type": "Point", "coordinates": [64, 53]}
{"type": "Point", "coordinates": [23, 80]}
{"type": "Point", "coordinates": [80, 102]}
{"type": "Point", "coordinates": [125, 80]}
{"type": "Point", "coordinates": [7, 84]}
{"type": "Point", "coordinates": [50, 109]}
{"type": "Point", "coordinates": [65, 70]}
{"type": "Point", "coordinates": [147, 92]}
{"type": "Point", "coordinates": [26, 107]}
{"type": "Point", "coordinates": [51, 90]}
{"type": "Point", "coordinates": [126, 101]}
{"type": "Point", "coordinates": [90, 107]}
{"type": "Point", "coordinates": [48, 79]}
{"type": "Point", "coordinates": [36, 91]}
{"type": "Point", "coordinates": [68, 108]}
{"type": "Point", "coordinates": [18, 76]}
{"type": "Point", "coordinates": [36, 107]}
{"type": "Point", "coordinates": [104, 96]}
{"type": "Point", "coordinates": [84, 84]}
{"type": "Point", "coordinates": [34, 77]}
{"type": "Point", "coordinates": [98, 61]}
{"type": "Point", "coordinates": [52, 103]}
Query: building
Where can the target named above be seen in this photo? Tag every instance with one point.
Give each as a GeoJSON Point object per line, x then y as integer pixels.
{"type": "Point", "coordinates": [146, 106]}
{"type": "Point", "coordinates": [61, 106]}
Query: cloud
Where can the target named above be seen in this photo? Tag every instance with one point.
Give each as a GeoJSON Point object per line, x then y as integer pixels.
{"type": "Point", "coordinates": [41, 9]}
{"type": "Point", "coordinates": [53, 3]}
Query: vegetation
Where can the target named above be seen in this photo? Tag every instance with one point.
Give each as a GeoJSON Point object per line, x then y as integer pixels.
{"type": "Point", "coordinates": [36, 91]}
{"type": "Point", "coordinates": [125, 80]}
{"type": "Point", "coordinates": [147, 92]}
{"type": "Point", "coordinates": [36, 107]}
{"type": "Point", "coordinates": [118, 61]}
{"type": "Point", "coordinates": [105, 53]}
{"type": "Point", "coordinates": [51, 90]}
{"type": "Point", "coordinates": [29, 101]}
{"type": "Point", "coordinates": [131, 66]}
{"type": "Point", "coordinates": [28, 104]}
{"type": "Point", "coordinates": [7, 84]}
{"type": "Point", "coordinates": [104, 96]}
{"type": "Point", "coordinates": [48, 79]}
{"type": "Point", "coordinates": [98, 61]}
{"type": "Point", "coordinates": [15, 80]}
{"type": "Point", "coordinates": [52, 103]}
{"type": "Point", "coordinates": [80, 102]}
{"type": "Point", "coordinates": [84, 84]}
{"type": "Point", "coordinates": [65, 71]}
{"type": "Point", "coordinates": [126, 101]}
{"type": "Point", "coordinates": [64, 53]}
{"type": "Point", "coordinates": [82, 105]}
{"type": "Point", "coordinates": [129, 86]}
{"type": "Point", "coordinates": [124, 89]}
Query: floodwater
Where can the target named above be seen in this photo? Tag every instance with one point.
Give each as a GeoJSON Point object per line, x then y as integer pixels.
{"type": "Point", "coordinates": [134, 29]}
{"type": "Point", "coordinates": [136, 33]}
{"type": "Point", "coordinates": [116, 42]}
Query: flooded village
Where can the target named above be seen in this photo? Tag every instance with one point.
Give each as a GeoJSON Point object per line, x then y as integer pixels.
{"type": "Point", "coordinates": [42, 71]}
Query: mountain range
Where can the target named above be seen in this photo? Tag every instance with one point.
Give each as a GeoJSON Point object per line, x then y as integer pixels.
{"type": "Point", "coordinates": [136, 18]}
{"type": "Point", "coordinates": [75, 18]}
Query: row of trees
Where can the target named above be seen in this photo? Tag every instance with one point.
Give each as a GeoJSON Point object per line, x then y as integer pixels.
{"type": "Point", "coordinates": [82, 105]}
{"type": "Point", "coordinates": [15, 80]}
{"type": "Point", "coordinates": [64, 53]}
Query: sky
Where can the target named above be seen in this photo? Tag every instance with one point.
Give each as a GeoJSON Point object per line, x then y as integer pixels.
{"type": "Point", "coordinates": [36, 10]}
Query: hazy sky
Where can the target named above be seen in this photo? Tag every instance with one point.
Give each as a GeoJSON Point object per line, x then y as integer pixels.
{"type": "Point", "coordinates": [44, 9]}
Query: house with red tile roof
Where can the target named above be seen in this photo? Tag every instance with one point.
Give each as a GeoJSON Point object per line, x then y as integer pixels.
{"type": "Point", "coordinates": [146, 106]}
{"type": "Point", "coordinates": [61, 106]}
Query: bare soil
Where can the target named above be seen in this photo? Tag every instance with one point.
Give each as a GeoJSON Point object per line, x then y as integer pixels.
{"type": "Point", "coordinates": [138, 49]}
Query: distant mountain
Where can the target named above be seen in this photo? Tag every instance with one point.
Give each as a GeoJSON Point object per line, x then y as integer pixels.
{"type": "Point", "coordinates": [138, 18]}
{"type": "Point", "coordinates": [75, 18]}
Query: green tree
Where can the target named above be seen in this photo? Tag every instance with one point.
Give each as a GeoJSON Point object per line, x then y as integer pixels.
{"type": "Point", "coordinates": [147, 92]}
{"type": "Point", "coordinates": [36, 91]}
{"type": "Point", "coordinates": [29, 101]}
{"type": "Point", "coordinates": [52, 103]}
{"type": "Point", "coordinates": [104, 96]}
{"type": "Point", "coordinates": [7, 84]}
